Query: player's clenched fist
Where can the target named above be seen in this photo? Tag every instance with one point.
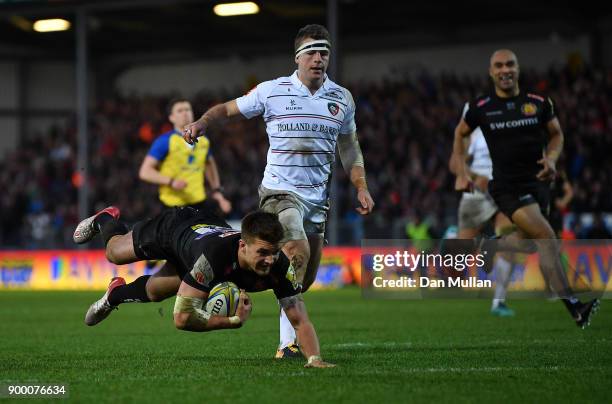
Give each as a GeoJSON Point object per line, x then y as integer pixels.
{"type": "Point", "coordinates": [244, 306]}
{"type": "Point", "coordinates": [463, 184]}
{"type": "Point", "coordinates": [192, 131]}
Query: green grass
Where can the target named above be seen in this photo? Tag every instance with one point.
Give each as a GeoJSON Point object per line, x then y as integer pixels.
{"type": "Point", "coordinates": [386, 351]}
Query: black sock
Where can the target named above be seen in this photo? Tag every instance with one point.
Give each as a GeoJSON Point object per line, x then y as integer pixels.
{"type": "Point", "coordinates": [101, 220]}
{"type": "Point", "coordinates": [130, 293]}
{"type": "Point", "coordinates": [112, 227]}
{"type": "Point", "coordinates": [571, 304]}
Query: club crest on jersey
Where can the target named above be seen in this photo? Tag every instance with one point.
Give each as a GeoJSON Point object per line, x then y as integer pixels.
{"type": "Point", "coordinates": [333, 108]}
{"type": "Point", "coordinates": [529, 109]}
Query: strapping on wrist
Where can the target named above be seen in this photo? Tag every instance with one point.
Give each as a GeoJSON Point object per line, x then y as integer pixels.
{"type": "Point", "coordinates": [235, 320]}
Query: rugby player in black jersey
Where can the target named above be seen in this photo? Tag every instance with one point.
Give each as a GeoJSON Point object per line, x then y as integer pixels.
{"type": "Point", "coordinates": [201, 251]}
{"type": "Point", "coordinates": [525, 140]}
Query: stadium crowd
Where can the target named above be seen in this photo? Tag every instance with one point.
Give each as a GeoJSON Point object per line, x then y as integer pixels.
{"type": "Point", "coordinates": [405, 129]}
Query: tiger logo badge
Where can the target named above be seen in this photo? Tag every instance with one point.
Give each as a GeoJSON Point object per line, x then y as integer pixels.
{"type": "Point", "coordinates": [333, 108]}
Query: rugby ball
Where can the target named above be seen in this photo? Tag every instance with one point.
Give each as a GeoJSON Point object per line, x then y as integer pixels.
{"type": "Point", "coordinates": [223, 300]}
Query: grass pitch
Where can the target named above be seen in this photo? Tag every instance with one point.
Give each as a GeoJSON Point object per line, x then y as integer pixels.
{"type": "Point", "coordinates": [386, 351]}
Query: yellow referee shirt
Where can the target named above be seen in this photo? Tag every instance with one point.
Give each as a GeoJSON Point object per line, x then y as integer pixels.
{"type": "Point", "coordinates": [180, 160]}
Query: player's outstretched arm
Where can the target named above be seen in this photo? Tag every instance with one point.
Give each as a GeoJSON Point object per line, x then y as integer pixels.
{"type": "Point", "coordinates": [216, 115]}
{"type": "Point", "coordinates": [459, 156]}
{"type": "Point", "coordinates": [307, 336]}
{"type": "Point", "coordinates": [189, 314]}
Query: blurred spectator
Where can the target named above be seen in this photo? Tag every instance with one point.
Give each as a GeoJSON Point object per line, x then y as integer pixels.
{"type": "Point", "coordinates": [405, 130]}
{"type": "Point", "coordinates": [598, 230]}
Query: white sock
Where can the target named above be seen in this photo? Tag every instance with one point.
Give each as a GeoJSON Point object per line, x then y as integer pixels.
{"type": "Point", "coordinates": [287, 333]}
{"type": "Point", "coordinates": [503, 270]}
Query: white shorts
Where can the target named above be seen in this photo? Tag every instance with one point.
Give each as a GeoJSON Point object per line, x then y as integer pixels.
{"type": "Point", "coordinates": [298, 216]}
{"type": "Point", "coordinates": [475, 210]}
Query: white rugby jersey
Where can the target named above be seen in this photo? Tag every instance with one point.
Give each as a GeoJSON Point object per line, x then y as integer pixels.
{"type": "Point", "coordinates": [481, 160]}
{"type": "Point", "coordinates": [302, 131]}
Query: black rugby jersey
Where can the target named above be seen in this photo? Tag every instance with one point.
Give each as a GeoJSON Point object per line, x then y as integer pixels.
{"type": "Point", "coordinates": [210, 256]}
{"type": "Point", "coordinates": [515, 131]}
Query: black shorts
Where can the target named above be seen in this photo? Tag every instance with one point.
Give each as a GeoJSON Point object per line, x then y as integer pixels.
{"type": "Point", "coordinates": [509, 197]}
{"type": "Point", "coordinates": [207, 205]}
{"type": "Point", "coordinates": [556, 219]}
{"type": "Point", "coordinates": [157, 238]}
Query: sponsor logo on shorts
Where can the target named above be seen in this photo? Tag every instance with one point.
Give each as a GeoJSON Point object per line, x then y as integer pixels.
{"type": "Point", "coordinates": [525, 197]}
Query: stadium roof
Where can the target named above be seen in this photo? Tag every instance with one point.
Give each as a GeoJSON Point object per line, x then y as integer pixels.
{"type": "Point", "coordinates": [133, 30]}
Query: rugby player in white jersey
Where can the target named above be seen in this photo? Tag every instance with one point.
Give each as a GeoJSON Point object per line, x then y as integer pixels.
{"type": "Point", "coordinates": [306, 115]}
{"type": "Point", "coordinates": [477, 209]}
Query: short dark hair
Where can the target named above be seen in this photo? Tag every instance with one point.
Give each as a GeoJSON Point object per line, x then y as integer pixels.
{"type": "Point", "coordinates": [262, 225]}
{"type": "Point", "coordinates": [173, 102]}
{"type": "Point", "coordinates": [314, 31]}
